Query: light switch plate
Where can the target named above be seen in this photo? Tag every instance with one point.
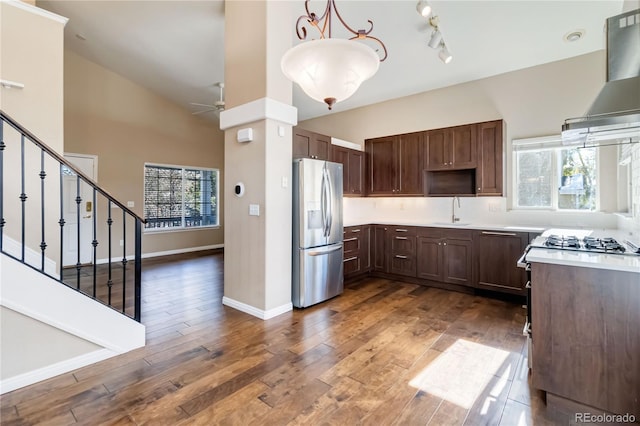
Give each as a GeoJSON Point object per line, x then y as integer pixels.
{"type": "Point", "coordinates": [131, 204]}
{"type": "Point", "coordinates": [254, 209]}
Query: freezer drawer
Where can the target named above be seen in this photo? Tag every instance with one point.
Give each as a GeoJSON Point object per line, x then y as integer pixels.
{"type": "Point", "coordinates": [317, 275]}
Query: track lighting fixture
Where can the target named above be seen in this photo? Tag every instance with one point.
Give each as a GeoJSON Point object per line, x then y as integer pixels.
{"type": "Point", "coordinates": [423, 8]}
{"type": "Point", "coordinates": [436, 41]}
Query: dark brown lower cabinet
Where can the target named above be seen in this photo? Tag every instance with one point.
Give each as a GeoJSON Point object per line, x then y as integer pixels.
{"type": "Point", "coordinates": [356, 251]}
{"type": "Point", "coordinates": [402, 250]}
{"type": "Point", "coordinates": [496, 257]}
{"type": "Point", "coordinates": [378, 234]}
{"type": "Point", "coordinates": [585, 324]}
{"type": "Point", "coordinates": [445, 255]}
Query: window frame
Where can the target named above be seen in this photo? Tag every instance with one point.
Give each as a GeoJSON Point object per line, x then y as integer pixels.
{"type": "Point", "coordinates": [182, 227]}
{"type": "Point", "coordinates": [554, 144]}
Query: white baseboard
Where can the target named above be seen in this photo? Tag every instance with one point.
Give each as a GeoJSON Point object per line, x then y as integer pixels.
{"type": "Point", "coordinates": [259, 313]}
{"type": "Point", "coordinates": [163, 253]}
{"type": "Point", "coordinates": [31, 377]}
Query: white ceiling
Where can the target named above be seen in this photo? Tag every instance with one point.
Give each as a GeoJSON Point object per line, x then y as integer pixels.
{"type": "Point", "coordinates": [175, 48]}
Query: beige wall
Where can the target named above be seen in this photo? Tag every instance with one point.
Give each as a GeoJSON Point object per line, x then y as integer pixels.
{"type": "Point", "coordinates": [27, 344]}
{"type": "Point", "coordinates": [31, 53]}
{"type": "Point", "coordinates": [126, 125]}
{"type": "Point", "coordinates": [257, 266]}
{"type": "Point", "coordinates": [533, 102]}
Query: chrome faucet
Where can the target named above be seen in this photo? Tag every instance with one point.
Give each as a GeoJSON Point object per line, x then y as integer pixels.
{"type": "Point", "coordinates": [455, 219]}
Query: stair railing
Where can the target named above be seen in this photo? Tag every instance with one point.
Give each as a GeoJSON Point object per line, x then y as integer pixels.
{"type": "Point", "coordinates": [33, 205]}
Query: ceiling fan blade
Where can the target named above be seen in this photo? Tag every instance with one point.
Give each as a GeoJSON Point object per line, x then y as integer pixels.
{"type": "Point", "coordinates": [203, 105]}
{"type": "Point", "coordinates": [203, 111]}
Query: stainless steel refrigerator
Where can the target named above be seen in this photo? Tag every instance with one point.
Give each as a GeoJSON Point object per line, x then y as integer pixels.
{"type": "Point", "coordinates": [317, 231]}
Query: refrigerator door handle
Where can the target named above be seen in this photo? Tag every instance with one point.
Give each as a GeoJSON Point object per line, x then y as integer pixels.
{"type": "Point", "coordinates": [327, 250]}
{"type": "Point", "coordinates": [323, 202]}
{"type": "Point", "coordinates": [330, 203]}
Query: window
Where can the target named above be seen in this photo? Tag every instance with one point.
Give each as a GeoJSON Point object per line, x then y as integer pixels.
{"type": "Point", "coordinates": [180, 197]}
{"type": "Point", "coordinates": [549, 175]}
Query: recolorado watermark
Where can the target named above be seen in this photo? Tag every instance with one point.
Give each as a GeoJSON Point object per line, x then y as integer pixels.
{"type": "Point", "coordinates": [604, 418]}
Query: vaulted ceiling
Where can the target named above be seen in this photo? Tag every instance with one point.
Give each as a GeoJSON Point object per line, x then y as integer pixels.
{"type": "Point", "coordinates": [176, 48]}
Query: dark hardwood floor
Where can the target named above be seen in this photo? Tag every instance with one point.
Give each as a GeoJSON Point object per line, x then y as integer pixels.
{"type": "Point", "coordinates": [382, 353]}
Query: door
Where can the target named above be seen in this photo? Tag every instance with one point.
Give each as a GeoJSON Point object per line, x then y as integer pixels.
{"type": "Point", "coordinates": [321, 275]}
{"type": "Point", "coordinates": [463, 147]}
{"type": "Point", "coordinates": [429, 258]}
{"type": "Point", "coordinates": [436, 148]}
{"type": "Point", "coordinates": [333, 203]}
{"type": "Point", "coordinates": [301, 141]}
{"type": "Point", "coordinates": [411, 174]}
{"type": "Point", "coordinates": [317, 202]}
{"type": "Point", "coordinates": [382, 166]}
{"type": "Point", "coordinates": [71, 242]}
{"type": "Point", "coordinates": [457, 261]}
{"type": "Point", "coordinates": [356, 172]}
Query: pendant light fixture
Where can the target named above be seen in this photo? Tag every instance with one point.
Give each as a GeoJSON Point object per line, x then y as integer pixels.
{"type": "Point", "coordinates": [330, 70]}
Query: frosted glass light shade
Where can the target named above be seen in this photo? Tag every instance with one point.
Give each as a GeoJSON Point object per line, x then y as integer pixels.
{"type": "Point", "coordinates": [330, 70]}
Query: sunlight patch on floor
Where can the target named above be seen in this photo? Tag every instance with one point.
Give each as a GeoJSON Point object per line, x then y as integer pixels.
{"type": "Point", "coordinates": [462, 373]}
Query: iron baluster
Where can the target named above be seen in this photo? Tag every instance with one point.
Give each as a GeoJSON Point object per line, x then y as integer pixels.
{"type": "Point", "coordinates": [23, 196]}
{"type": "Point", "coordinates": [124, 259]}
{"type": "Point", "coordinates": [78, 201]}
{"type": "Point", "coordinates": [109, 223]}
{"type": "Point", "coordinates": [66, 172]}
{"type": "Point", "coordinates": [61, 222]}
{"type": "Point", "coordinates": [94, 242]}
{"type": "Point", "coordinates": [138, 269]}
{"type": "Point", "coordinates": [43, 174]}
{"type": "Point", "coordinates": [2, 146]}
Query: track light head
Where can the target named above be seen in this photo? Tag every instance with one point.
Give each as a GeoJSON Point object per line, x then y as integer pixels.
{"type": "Point", "coordinates": [423, 8]}
{"type": "Point", "coordinates": [444, 55]}
{"type": "Point", "coordinates": [436, 39]}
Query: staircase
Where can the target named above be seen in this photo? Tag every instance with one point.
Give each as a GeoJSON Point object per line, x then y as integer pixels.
{"type": "Point", "coordinates": [68, 268]}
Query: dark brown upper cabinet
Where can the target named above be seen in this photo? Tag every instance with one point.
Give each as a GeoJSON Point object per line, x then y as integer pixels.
{"type": "Point", "coordinates": [489, 171]}
{"type": "Point", "coordinates": [452, 148]}
{"type": "Point", "coordinates": [308, 144]}
{"type": "Point", "coordinates": [394, 165]}
{"type": "Point", "coordinates": [352, 171]}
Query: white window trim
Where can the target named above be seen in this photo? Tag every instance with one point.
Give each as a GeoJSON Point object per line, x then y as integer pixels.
{"type": "Point", "coordinates": [547, 143]}
{"type": "Point", "coordinates": [184, 228]}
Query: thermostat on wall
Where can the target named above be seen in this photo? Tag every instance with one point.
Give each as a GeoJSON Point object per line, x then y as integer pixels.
{"type": "Point", "coordinates": [239, 189]}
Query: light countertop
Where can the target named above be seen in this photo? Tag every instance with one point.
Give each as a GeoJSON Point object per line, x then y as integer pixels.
{"type": "Point", "coordinates": [629, 263]}
{"type": "Point", "coordinates": [614, 262]}
{"type": "Point", "coordinates": [471, 226]}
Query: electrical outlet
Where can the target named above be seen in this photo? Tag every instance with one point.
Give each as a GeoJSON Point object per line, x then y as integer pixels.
{"type": "Point", "coordinates": [121, 243]}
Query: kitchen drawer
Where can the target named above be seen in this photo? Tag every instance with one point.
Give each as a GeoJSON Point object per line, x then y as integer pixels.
{"type": "Point", "coordinates": [351, 244]}
{"type": "Point", "coordinates": [352, 265]}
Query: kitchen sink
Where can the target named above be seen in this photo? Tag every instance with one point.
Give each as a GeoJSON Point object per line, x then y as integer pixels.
{"type": "Point", "coordinates": [451, 223]}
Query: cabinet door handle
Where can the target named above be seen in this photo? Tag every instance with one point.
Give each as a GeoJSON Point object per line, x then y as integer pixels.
{"type": "Point", "coordinates": [401, 238]}
{"type": "Point", "coordinates": [505, 234]}
{"type": "Point", "coordinates": [401, 230]}
{"type": "Point", "coordinates": [350, 259]}
{"type": "Point", "coordinates": [400, 256]}
{"type": "Point", "coordinates": [528, 284]}
{"type": "Point", "coordinates": [355, 230]}
{"type": "Point", "coordinates": [479, 189]}
{"type": "Point", "coordinates": [444, 244]}
{"type": "Point", "coordinates": [350, 239]}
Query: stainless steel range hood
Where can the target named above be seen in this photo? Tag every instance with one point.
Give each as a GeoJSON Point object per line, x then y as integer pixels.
{"type": "Point", "coordinates": [614, 116]}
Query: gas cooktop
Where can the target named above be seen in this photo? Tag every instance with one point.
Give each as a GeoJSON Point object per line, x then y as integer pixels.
{"type": "Point", "coordinates": [590, 244]}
